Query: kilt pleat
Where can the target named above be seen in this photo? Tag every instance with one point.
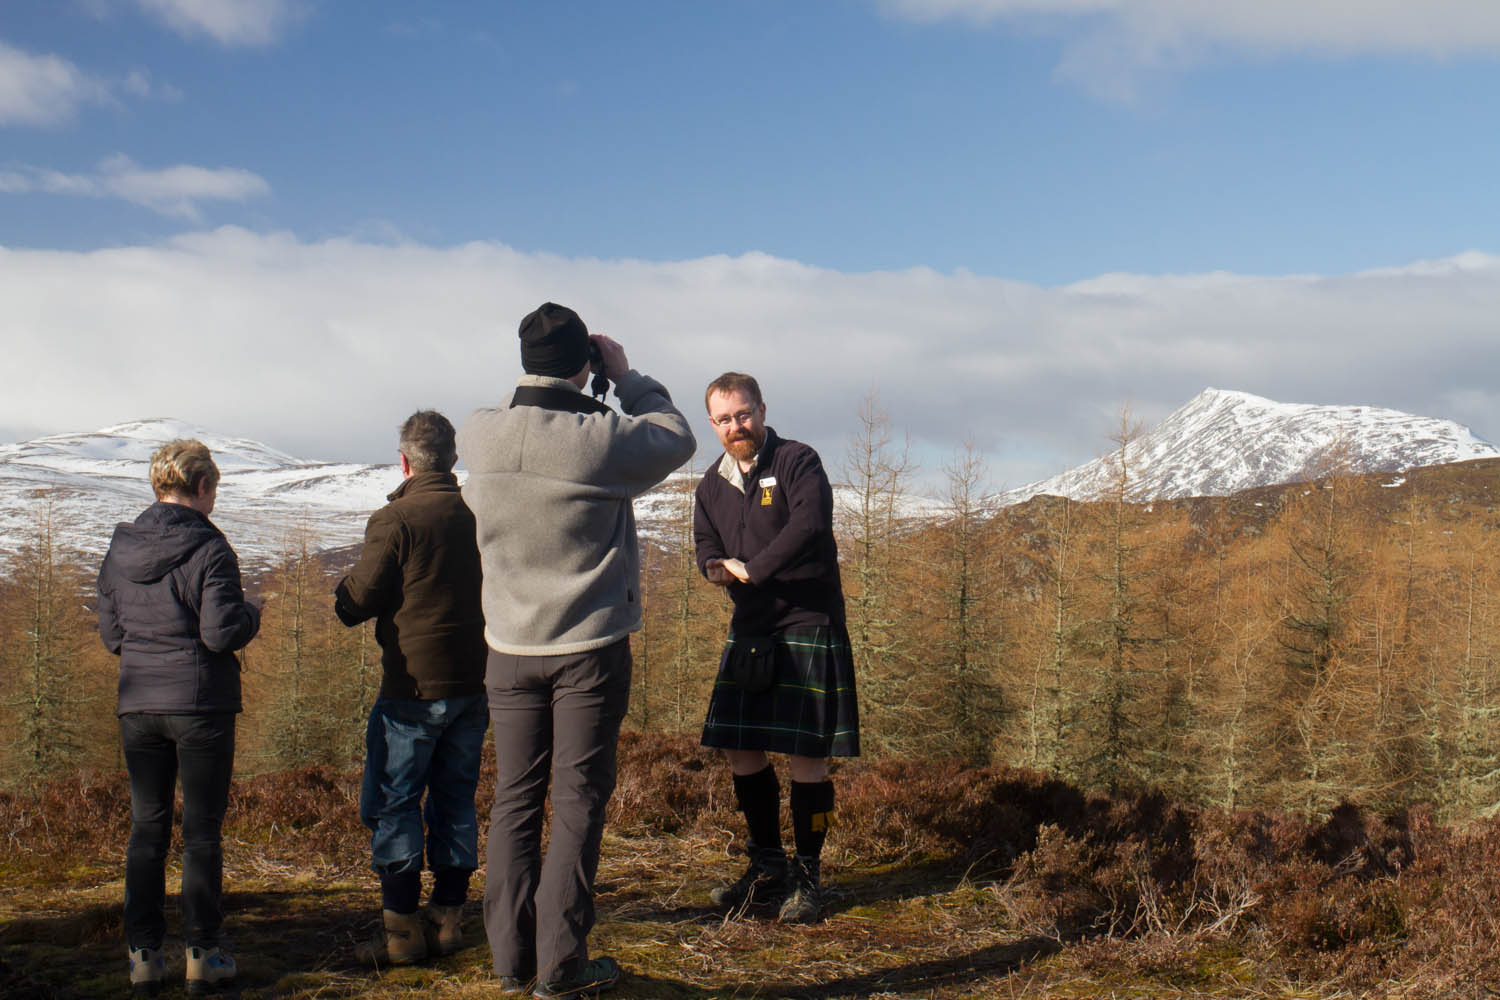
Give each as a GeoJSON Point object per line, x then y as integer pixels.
{"type": "Point", "coordinates": [811, 710]}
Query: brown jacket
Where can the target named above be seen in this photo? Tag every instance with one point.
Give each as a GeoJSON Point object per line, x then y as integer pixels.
{"type": "Point", "coordinates": [418, 577]}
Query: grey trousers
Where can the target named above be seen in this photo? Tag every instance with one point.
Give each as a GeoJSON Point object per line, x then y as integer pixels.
{"type": "Point", "coordinates": [554, 718]}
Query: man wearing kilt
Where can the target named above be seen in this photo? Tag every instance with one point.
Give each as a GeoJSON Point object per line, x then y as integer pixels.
{"type": "Point", "coordinates": [763, 527]}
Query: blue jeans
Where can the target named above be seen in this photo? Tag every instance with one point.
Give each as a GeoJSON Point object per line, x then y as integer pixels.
{"type": "Point", "coordinates": [157, 748]}
{"type": "Point", "coordinates": [412, 747]}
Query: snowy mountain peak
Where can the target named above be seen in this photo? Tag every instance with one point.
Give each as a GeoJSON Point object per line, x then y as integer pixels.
{"type": "Point", "coordinates": [1223, 441]}
{"type": "Point", "coordinates": [135, 441]}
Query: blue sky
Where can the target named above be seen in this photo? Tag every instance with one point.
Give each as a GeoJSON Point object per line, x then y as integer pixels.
{"type": "Point", "coordinates": [1007, 217]}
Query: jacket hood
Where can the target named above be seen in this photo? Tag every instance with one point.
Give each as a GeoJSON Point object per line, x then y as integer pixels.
{"type": "Point", "coordinates": [160, 540]}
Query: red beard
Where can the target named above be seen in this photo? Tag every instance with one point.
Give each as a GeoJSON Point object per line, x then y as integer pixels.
{"type": "Point", "coordinates": [743, 447]}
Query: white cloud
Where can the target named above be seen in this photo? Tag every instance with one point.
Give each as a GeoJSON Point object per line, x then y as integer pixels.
{"type": "Point", "coordinates": [1433, 27]}
{"type": "Point", "coordinates": [138, 83]}
{"type": "Point", "coordinates": [44, 89]}
{"type": "Point", "coordinates": [229, 22]}
{"type": "Point", "coordinates": [321, 349]}
{"type": "Point", "coordinates": [174, 191]}
{"type": "Point", "coordinates": [1112, 46]}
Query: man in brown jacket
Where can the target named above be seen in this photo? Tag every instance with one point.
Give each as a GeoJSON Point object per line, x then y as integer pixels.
{"type": "Point", "coordinates": [419, 578]}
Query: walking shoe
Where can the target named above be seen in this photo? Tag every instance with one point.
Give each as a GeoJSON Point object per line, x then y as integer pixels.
{"type": "Point", "coordinates": [207, 968]}
{"type": "Point", "coordinates": [804, 904]}
{"type": "Point", "coordinates": [590, 978]}
{"type": "Point", "coordinates": [402, 942]}
{"type": "Point", "coordinates": [443, 926]}
{"type": "Point", "coordinates": [516, 986]}
{"type": "Point", "coordinates": [147, 967]}
{"type": "Point", "coordinates": [763, 884]}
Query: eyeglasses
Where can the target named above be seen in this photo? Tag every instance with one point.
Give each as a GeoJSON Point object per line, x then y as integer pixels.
{"type": "Point", "coordinates": [742, 417]}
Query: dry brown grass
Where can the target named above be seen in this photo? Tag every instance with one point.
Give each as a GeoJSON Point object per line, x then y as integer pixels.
{"type": "Point", "coordinates": [946, 882]}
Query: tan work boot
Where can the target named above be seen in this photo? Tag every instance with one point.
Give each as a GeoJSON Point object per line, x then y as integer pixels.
{"type": "Point", "coordinates": [403, 942]}
{"type": "Point", "coordinates": [444, 927]}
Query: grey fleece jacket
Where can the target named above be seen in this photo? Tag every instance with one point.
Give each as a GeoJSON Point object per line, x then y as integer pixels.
{"type": "Point", "coordinates": [551, 494]}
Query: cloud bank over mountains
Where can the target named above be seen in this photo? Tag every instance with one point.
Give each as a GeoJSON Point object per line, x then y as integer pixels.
{"type": "Point", "coordinates": [323, 347]}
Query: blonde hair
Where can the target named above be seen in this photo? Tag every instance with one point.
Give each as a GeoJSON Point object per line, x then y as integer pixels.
{"type": "Point", "coordinates": [181, 467]}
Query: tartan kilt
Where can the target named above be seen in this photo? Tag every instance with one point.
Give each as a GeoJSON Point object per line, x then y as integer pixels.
{"type": "Point", "coordinates": [809, 711]}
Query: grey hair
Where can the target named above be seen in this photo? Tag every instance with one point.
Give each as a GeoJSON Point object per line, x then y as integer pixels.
{"type": "Point", "coordinates": [427, 441]}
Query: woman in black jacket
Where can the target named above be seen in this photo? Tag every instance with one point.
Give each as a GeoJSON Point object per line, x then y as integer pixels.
{"type": "Point", "coordinates": [172, 607]}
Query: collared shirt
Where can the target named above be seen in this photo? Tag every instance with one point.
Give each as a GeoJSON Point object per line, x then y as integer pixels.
{"type": "Point", "coordinates": [729, 468]}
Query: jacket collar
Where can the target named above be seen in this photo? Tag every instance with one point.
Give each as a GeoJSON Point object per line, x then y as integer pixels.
{"type": "Point", "coordinates": [425, 482]}
{"type": "Point", "coordinates": [547, 382]}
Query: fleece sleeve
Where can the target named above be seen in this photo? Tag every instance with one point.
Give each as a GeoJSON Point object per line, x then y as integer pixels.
{"type": "Point", "coordinates": [706, 540]}
{"type": "Point", "coordinates": [649, 440]}
{"type": "Point", "coordinates": [810, 499]}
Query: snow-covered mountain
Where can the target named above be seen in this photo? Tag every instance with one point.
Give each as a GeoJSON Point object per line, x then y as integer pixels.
{"type": "Point", "coordinates": [266, 497]}
{"type": "Point", "coordinates": [1219, 443]}
{"type": "Point", "coordinates": [93, 480]}
{"type": "Point", "coordinates": [1222, 442]}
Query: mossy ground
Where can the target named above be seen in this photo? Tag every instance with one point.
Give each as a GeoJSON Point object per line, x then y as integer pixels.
{"type": "Point", "coordinates": [925, 930]}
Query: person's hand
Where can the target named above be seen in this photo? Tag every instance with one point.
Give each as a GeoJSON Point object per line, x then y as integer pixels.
{"type": "Point", "coordinates": [736, 569]}
{"type": "Point", "coordinates": [716, 573]}
{"type": "Point", "coordinates": [612, 355]}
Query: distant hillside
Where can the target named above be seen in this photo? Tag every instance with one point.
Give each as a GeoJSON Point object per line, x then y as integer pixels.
{"type": "Point", "coordinates": [266, 501]}
{"type": "Point", "coordinates": [94, 480]}
{"type": "Point", "coordinates": [1220, 443]}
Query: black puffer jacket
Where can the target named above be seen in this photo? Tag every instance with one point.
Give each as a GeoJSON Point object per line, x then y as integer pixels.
{"type": "Point", "coordinates": [171, 605]}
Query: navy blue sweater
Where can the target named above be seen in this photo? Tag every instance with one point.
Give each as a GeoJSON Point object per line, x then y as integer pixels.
{"type": "Point", "coordinates": [172, 607]}
{"type": "Point", "coordinates": [781, 527]}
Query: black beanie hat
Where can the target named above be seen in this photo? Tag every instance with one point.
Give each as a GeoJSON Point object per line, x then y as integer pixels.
{"type": "Point", "coordinates": [554, 341]}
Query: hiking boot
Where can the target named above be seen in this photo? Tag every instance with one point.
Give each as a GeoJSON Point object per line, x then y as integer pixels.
{"type": "Point", "coordinates": [402, 942]}
{"type": "Point", "coordinates": [516, 986]}
{"type": "Point", "coordinates": [443, 926]}
{"type": "Point", "coordinates": [147, 968]}
{"type": "Point", "coordinates": [589, 978]}
{"type": "Point", "coordinates": [763, 884]}
{"type": "Point", "coordinates": [207, 968]}
{"type": "Point", "coordinates": [804, 903]}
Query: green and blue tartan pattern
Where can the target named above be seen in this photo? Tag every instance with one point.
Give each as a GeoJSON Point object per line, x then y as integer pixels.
{"type": "Point", "coordinates": [811, 710]}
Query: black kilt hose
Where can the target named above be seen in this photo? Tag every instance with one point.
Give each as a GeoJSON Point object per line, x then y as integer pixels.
{"type": "Point", "coordinates": [809, 711]}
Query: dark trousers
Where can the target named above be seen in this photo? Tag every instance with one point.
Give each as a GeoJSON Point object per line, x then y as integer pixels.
{"type": "Point", "coordinates": [554, 718]}
{"type": "Point", "coordinates": [159, 748]}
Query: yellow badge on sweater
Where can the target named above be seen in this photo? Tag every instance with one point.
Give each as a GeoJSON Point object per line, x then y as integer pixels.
{"type": "Point", "coordinates": [766, 485]}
